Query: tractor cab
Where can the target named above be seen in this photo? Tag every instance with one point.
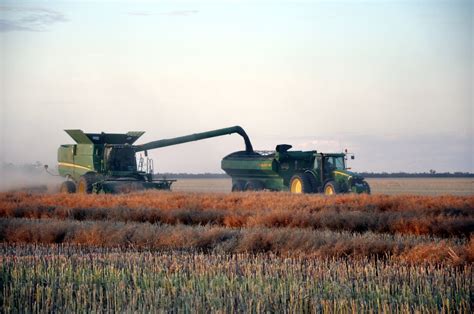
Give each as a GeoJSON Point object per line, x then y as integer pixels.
{"type": "Point", "coordinates": [334, 176]}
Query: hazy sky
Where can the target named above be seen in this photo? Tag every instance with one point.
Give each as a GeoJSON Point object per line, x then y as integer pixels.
{"type": "Point", "coordinates": [389, 80]}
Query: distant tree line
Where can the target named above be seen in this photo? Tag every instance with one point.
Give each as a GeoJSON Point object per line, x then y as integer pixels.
{"type": "Point", "coordinates": [417, 174]}
{"type": "Point", "coordinates": [37, 167]}
{"type": "Point", "coordinates": [206, 175]}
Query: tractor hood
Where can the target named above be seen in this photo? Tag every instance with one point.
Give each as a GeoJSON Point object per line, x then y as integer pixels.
{"type": "Point", "coordinates": [347, 174]}
{"type": "Point", "coordinates": [351, 182]}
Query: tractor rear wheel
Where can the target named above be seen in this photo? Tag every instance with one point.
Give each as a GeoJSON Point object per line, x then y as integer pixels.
{"type": "Point", "coordinates": [301, 183]}
{"type": "Point", "coordinates": [254, 185]}
{"type": "Point", "coordinates": [313, 182]}
{"type": "Point", "coordinates": [331, 188]}
{"type": "Point", "coordinates": [67, 187]}
{"type": "Point", "coordinates": [238, 186]}
{"type": "Point", "coordinates": [85, 184]}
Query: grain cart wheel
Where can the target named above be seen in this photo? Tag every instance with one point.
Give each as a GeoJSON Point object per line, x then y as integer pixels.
{"type": "Point", "coordinates": [301, 183]}
{"type": "Point", "coordinates": [238, 186]}
{"type": "Point", "coordinates": [85, 183]}
{"type": "Point", "coordinates": [254, 185]}
{"type": "Point", "coordinates": [67, 187]}
{"type": "Point", "coordinates": [331, 188]}
{"type": "Point", "coordinates": [312, 181]}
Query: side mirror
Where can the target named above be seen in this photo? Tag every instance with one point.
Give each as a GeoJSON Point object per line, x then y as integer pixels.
{"type": "Point", "coordinates": [352, 157]}
{"type": "Point", "coordinates": [46, 167]}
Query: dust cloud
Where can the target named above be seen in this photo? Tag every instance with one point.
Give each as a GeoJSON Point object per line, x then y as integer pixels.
{"type": "Point", "coordinates": [29, 178]}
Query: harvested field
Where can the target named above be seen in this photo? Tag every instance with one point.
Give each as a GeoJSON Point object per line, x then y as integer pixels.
{"type": "Point", "coordinates": [422, 186]}
{"type": "Point", "coordinates": [391, 186]}
{"type": "Point", "coordinates": [239, 252]}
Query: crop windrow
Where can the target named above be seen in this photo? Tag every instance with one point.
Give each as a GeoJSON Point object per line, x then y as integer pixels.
{"type": "Point", "coordinates": [230, 240]}
{"type": "Point", "coordinates": [443, 216]}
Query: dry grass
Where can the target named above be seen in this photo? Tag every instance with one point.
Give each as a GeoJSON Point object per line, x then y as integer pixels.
{"type": "Point", "coordinates": [237, 201]}
{"type": "Point", "coordinates": [442, 216]}
{"type": "Point", "coordinates": [226, 240]}
{"type": "Point", "coordinates": [415, 228]}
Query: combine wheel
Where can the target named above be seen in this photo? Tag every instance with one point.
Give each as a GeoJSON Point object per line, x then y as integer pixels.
{"type": "Point", "coordinates": [85, 183]}
{"type": "Point", "coordinates": [238, 186]}
{"type": "Point", "coordinates": [301, 183]}
{"type": "Point", "coordinates": [67, 187]}
{"type": "Point", "coordinates": [254, 185]}
{"type": "Point", "coordinates": [331, 188]}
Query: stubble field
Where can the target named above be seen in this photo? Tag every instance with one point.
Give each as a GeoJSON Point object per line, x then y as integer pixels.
{"type": "Point", "coordinates": [236, 252]}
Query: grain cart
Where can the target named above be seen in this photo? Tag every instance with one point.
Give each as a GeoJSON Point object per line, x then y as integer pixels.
{"type": "Point", "coordinates": [106, 163]}
{"type": "Point", "coordinates": [294, 171]}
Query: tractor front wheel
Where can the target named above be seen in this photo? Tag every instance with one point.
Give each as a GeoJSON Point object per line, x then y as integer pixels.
{"type": "Point", "coordinates": [366, 187]}
{"type": "Point", "coordinates": [67, 187]}
{"type": "Point", "coordinates": [331, 188]}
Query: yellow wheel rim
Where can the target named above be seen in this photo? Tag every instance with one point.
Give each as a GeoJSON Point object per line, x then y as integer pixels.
{"type": "Point", "coordinates": [81, 188]}
{"type": "Point", "coordinates": [329, 190]}
{"type": "Point", "coordinates": [296, 186]}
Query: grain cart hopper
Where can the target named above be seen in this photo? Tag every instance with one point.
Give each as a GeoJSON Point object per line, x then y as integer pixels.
{"type": "Point", "coordinates": [294, 171]}
{"type": "Point", "coordinates": [105, 162]}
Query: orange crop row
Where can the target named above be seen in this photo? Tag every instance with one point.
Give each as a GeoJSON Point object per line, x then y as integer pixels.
{"type": "Point", "coordinates": [442, 216]}
{"type": "Point", "coordinates": [227, 240]}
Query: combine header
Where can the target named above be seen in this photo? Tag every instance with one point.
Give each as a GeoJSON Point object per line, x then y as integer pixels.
{"type": "Point", "coordinates": [106, 163]}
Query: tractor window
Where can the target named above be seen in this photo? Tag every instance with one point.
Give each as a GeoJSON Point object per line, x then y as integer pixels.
{"type": "Point", "coordinates": [339, 163]}
{"type": "Point", "coordinates": [333, 163]}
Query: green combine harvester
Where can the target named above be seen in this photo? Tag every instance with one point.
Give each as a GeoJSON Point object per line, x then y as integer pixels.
{"type": "Point", "coordinates": [107, 163]}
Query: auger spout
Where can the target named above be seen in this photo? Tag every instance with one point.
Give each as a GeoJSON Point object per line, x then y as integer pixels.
{"type": "Point", "coordinates": [196, 137]}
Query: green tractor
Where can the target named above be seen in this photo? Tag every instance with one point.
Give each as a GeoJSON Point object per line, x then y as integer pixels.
{"type": "Point", "coordinates": [294, 171]}
{"type": "Point", "coordinates": [107, 163]}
